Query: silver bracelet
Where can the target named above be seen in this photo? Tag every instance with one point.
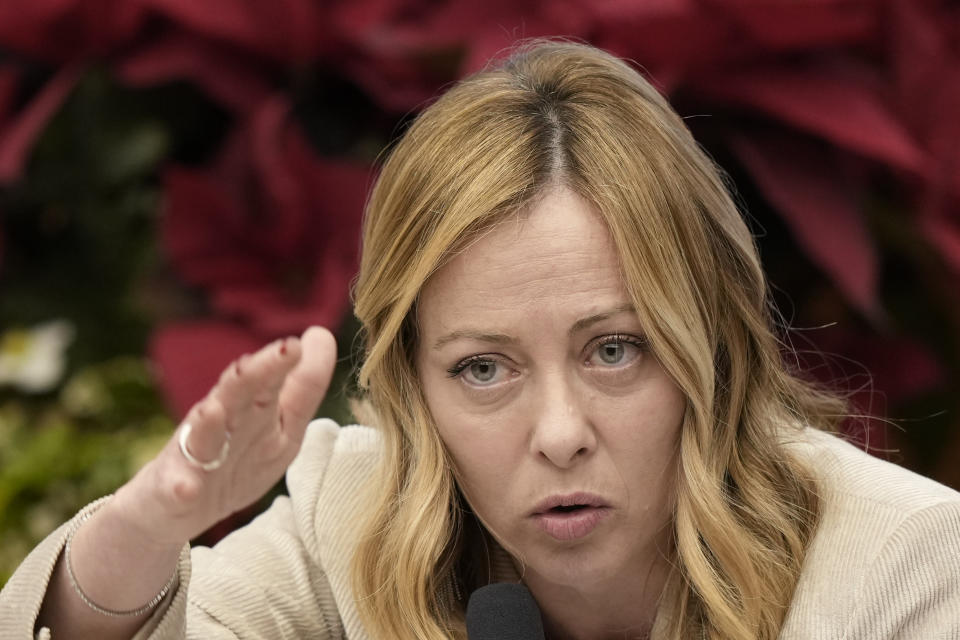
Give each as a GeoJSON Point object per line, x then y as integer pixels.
{"type": "Point", "coordinates": [84, 515]}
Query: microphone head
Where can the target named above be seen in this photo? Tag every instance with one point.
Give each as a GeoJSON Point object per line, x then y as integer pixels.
{"type": "Point", "coordinates": [503, 611]}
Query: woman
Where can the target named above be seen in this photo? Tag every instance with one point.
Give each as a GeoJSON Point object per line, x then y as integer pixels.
{"type": "Point", "coordinates": [573, 383]}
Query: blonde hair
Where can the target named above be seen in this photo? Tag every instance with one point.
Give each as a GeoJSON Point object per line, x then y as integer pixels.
{"type": "Point", "coordinates": [558, 112]}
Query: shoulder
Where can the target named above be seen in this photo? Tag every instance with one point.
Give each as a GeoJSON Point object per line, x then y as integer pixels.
{"type": "Point", "coordinates": [327, 481]}
{"type": "Point", "coordinates": [886, 553]}
{"type": "Point", "coordinates": [332, 458]}
{"type": "Point", "coordinates": [325, 443]}
{"type": "Point", "coordinates": [847, 475]}
{"type": "Point", "coordinates": [328, 484]}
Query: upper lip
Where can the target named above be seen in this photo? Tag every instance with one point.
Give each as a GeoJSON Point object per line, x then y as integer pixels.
{"type": "Point", "coordinates": [569, 500]}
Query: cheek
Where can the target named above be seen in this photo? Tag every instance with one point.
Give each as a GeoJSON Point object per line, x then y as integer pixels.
{"type": "Point", "coordinates": [642, 437]}
{"type": "Point", "coordinates": [650, 416]}
{"type": "Point", "coordinates": [489, 486]}
{"type": "Point", "coordinates": [485, 452]}
{"type": "Point", "coordinates": [488, 457]}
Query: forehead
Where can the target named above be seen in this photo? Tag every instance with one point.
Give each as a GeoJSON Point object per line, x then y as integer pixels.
{"type": "Point", "coordinates": [555, 256]}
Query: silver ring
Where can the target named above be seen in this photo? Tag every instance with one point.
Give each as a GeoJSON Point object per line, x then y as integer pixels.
{"type": "Point", "coordinates": [199, 464]}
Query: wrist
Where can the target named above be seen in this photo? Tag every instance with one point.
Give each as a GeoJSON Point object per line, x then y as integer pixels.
{"type": "Point", "coordinates": [87, 513]}
{"type": "Point", "coordinates": [128, 514]}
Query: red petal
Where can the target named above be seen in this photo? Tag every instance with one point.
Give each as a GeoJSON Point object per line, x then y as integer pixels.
{"type": "Point", "coordinates": [281, 268]}
{"type": "Point", "coordinates": [25, 26]}
{"type": "Point", "coordinates": [841, 108]}
{"type": "Point", "coordinates": [203, 232]}
{"type": "Point", "coordinates": [285, 199]}
{"type": "Point", "coordinates": [355, 20]}
{"type": "Point", "coordinates": [812, 23]}
{"type": "Point", "coordinates": [226, 76]}
{"type": "Point", "coordinates": [67, 30]}
{"type": "Point", "coordinates": [943, 231]}
{"type": "Point", "coordinates": [337, 189]}
{"type": "Point", "coordinates": [651, 10]}
{"type": "Point", "coordinates": [927, 65]}
{"type": "Point", "coordinates": [16, 141]}
{"type": "Point", "coordinates": [488, 28]}
{"type": "Point", "coordinates": [221, 19]}
{"type": "Point", "coordinates": [288, 30]}
{"type": "Point", "coordinates": [669, 39]}
{"type": "Point", "coordinates": [190, 356]}
{"type": "Point", "coordinates": [920, 56]}
{"type": "Point", "coordinates": [406, 54]}
{"type": "Point", "coordinates": [926, 62]}
{"type": "Point", "coordinates": [804, 186]}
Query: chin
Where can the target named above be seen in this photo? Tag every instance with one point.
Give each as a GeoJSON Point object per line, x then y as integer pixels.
{"type": "Point", "coordinates": [575, 567]}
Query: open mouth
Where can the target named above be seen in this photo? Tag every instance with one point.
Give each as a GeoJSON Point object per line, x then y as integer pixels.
{"type": "Point", "coordinates": [569, 508]}
{"type": "Point", "coordinates": [570, 522]}
{"type": "Point", "coordinates": [569, 503]}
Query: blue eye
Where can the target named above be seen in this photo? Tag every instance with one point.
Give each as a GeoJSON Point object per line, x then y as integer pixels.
{"type": "Point", "coordinates": [611, 353]}
{"type": "Point", "coordinates": [483, 371]}
{"type": "Point", "coordinates": [616, 350]}
{"type": "Point", "coordinates": [478, 371]}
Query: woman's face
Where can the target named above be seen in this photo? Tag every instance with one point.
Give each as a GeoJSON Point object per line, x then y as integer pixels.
{"type": "Point", "coordinates": [562, 424]}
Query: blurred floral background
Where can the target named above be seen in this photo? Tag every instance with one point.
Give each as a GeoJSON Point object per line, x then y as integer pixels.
{"type": "Point", "coordinates": [182, 181]}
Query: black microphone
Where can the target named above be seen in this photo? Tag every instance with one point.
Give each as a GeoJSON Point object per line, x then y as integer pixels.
{"type": "Point", "coordinates": [503, 611]}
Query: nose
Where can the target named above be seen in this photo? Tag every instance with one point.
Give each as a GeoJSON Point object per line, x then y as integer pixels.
{"type": "Point", "coordinates": [562, 431]}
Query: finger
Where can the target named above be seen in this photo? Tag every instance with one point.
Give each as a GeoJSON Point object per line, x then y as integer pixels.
{"type": "Point", "coordinates": [255, 380]}
{"type": "Point", "coordinates": [207, 422]}
{"type": "Point", "coordinates": [306, 385]}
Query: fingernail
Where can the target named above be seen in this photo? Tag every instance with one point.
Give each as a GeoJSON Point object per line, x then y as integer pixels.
{"type": "Point", "coordinates": [283, 346]}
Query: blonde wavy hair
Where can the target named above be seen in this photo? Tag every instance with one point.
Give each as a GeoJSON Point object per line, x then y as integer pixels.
{"type": "Point", "coordinates": [554, 112]}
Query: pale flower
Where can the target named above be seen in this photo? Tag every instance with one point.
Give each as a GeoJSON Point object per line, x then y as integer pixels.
{"type": "Point", "coordinates": [34, 359]}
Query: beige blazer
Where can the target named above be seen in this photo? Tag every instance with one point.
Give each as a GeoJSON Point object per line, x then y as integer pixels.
{"type": "Point", "coordinates": [885, 562]}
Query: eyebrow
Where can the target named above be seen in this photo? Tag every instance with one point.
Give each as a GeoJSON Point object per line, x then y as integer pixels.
{"type": "Point", "coordinates": [502, 338]}
{"type": "Point", "coordinates": [495, 338]}
{"type": "Point", "coordinates": [583, 323]}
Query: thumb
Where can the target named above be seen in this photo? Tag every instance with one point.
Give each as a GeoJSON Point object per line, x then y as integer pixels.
{"type": "Point", "coordinates": [305, 386]}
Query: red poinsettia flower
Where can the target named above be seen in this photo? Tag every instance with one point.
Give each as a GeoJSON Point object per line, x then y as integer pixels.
{"type": "Point", "coordinates": [788, 63]}
{"type": "Point", "coordinates": [818, 101]}
{"type": "Point", "coordinates": [234, 79]}
{"type": "Point", "coordinates": [818, 77]}
{"type": "Point", "coordinates": [822, 70]}
{"type": "Point", "coordinates": [271, 233]}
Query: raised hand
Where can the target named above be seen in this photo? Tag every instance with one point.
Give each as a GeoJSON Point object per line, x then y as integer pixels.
{"type": "Point", "coordinates": [125, 554]}
{"type": "Point", "coordinates": [259, 408]}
